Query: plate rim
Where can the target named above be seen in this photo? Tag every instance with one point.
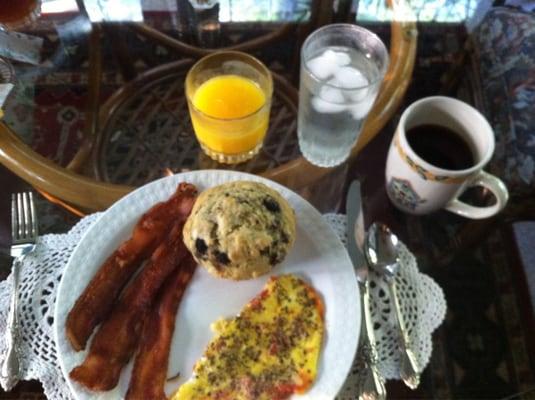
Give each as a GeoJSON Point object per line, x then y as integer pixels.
{"type": "Point", "coordinates": [232, 175]}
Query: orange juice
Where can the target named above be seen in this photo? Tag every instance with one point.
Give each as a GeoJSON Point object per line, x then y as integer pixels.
{"type": "Point", "coordinates": [233, 115]}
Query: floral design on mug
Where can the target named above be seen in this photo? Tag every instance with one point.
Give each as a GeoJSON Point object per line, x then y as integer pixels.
{"type": "Point", "coordinates": [421, 171]}
{"type": "Point", "coordinates": [417, 168]}
{"type": "Point", "coordinates": [402, 192]}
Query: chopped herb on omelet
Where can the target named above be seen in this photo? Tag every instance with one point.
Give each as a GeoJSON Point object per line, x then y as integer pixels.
{"type": "Point", "coordinates": [269, 351]}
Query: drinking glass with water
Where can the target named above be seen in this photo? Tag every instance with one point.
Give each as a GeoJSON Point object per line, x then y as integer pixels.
{"type": "Point", "coordinates": [342, 67]}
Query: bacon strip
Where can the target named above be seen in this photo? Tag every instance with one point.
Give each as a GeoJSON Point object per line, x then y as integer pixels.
{"type": "Point", "coordinates": [98, 298]}
{"type": "Point", "coordinates": [117, 337]}
{"type": "Point", "coordinates": [150, 368]}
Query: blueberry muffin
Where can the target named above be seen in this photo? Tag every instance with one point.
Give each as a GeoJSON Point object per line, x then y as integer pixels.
{"type": "Point", "coordinates": [240, 230]}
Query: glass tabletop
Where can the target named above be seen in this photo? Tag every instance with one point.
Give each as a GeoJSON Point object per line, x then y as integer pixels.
{"type": "Point", "coordinates": [50, 60]}
{"type": "Point", "coordinates": [484, 349]}
{"type": "Point", "coordinates": [85, 76]}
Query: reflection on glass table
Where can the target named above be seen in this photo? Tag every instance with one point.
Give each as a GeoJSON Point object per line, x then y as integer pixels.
{"type": "Point", "coordinates": [66, 105]}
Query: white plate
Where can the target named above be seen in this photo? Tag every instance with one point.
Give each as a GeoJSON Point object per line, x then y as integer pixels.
{"type": "Point", "coordinates": [318, 256]}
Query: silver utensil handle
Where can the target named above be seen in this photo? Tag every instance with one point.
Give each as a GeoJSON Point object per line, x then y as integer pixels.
{"type": "Point", "coordinates": [11, 367]}
{"type": "Point", "coordinates": [373, 385]}
{"type": "Point", "coordinates": [409, 370]}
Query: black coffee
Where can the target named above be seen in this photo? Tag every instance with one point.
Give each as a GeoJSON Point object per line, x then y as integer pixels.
{"type": "Point", "coordinates": [440, 146]}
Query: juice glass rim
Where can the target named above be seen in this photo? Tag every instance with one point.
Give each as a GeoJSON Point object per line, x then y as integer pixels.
{"type": "Point", "coordinates": [353, 27]}
{"type": "Point", "coordinates": [256, 61]}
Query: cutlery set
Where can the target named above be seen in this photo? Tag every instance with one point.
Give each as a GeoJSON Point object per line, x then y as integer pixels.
{"type": "Point", "coordinates": [377, 249]}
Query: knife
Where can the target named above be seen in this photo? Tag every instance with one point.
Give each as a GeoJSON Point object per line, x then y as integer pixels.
{"type": "Point", "coordinates": [355, 230]}
{"type": "Point", "coordinates": [372, 385]}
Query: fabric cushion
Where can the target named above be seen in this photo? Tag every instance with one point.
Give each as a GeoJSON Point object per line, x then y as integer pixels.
{"type": "Point", "coordinates": [505, 56]}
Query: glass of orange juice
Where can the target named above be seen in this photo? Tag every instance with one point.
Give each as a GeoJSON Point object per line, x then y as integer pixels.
{"type": "Point", "coordinates": [229, 99]}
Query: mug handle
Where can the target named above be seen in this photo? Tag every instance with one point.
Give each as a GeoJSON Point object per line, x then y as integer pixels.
{"type": "Point", "coordinates": [495, 185]}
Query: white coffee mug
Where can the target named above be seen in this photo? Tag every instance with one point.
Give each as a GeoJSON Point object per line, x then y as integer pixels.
{"type": "Point", "coordinates": [418, 187]}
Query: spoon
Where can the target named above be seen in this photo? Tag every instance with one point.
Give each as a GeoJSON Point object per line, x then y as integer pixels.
{"type": "Point", "coordinates": [381, 250]}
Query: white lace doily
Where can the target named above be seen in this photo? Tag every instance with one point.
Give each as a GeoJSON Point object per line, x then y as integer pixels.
{"type": "Point", "coordinates": [422, 303]}
{"type": "Point", "coordinates": [421, 299]}
{"type": "Point", "coordinates": [39, 279]}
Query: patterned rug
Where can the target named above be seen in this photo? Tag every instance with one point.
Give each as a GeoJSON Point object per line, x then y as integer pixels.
{"type": "Point", "coordinates": [486, 345]}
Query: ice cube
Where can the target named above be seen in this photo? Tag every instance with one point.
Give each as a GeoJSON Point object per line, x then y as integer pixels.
{"type": "Point", "coordinates": [350, 78]}
{"type": "Point", "coordinates": [331, 94]}
{"type": "Point", "coordinates": [361, 109]}
{"type": "Point", "coordinates": [325, 107]}
{"type": "Point", "coordinates": [320, 67]}
{"type": "Point", "coordinates": [330, 100]}
{"type": "Point", "coordinates": [356, 95]}
{"type": "Point", "coordinates": [325, 65]}
{"type": "Point", "coordinates": [339, 58]}
{"type": "Point", "coordinates": [350, 96]}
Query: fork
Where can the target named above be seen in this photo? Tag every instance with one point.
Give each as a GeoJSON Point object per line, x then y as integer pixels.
{"type": "Point", "coordinates": [24, 236]}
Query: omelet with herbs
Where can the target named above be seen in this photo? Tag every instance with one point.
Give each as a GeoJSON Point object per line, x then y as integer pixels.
{"type": "Point", "coordinates": [268, 352]}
